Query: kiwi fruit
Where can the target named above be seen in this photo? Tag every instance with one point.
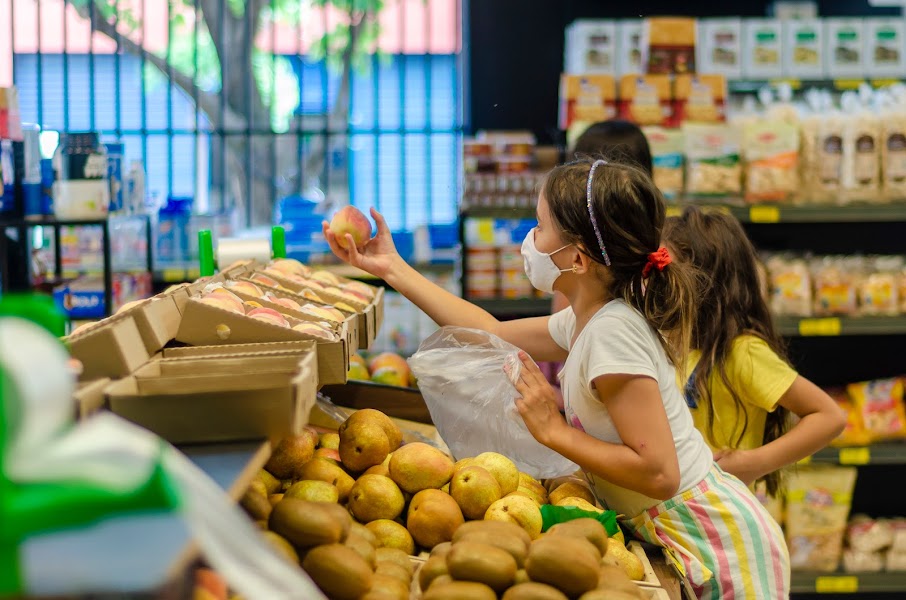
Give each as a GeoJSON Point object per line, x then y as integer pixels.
{"type": "Point", "coordinates": [306, 524]}
{"type": "Point", "coordinates": [572, 565]}
{"type": "Point", "coordinates": [460, 590]}
{"type": "Point", "coordinates": [392, 569]}
{"type": "Point", "coordinates": [533, 591]}
{"type": "Point", "coordinates": [363, 547]}
{"type": "Point", "coordinates": [498, 527]}
{"type": "Point", "coordinates": [338, 571]}
{"type": "Point", "coordinates": [434, 567]}
{"type": "Point", "coordinates": [483, 563]}
{"type": "Point", "coordinates": [590, 529]}
{"type": "Point", "coordinates": [512, 544]}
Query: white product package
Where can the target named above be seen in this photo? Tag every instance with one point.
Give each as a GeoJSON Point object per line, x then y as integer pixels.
{"type": "Point", "coordinates": [461, 375]}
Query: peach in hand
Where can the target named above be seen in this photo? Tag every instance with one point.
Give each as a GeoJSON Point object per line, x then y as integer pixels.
{"type": "Point", "coordinates": [351, 220]}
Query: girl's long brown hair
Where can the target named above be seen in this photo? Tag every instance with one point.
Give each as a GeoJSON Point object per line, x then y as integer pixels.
{"type": "Point", "coordinates": [731, 304]}
{"type": "Point", "coordinates": [630, 213]}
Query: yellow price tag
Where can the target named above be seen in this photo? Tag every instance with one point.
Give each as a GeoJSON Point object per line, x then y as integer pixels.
{"type": "Point", "coordinates": [815, 327]}
{"type": "Point", "coordinates": [837, 584]}
{"type": "Point", "coordinates": [848, 84]}
{"type": "Point", "coordinates": [173, 275]}
{"type": "Point", "coordinates": [793, 83]}
{"type": "Point", "coordinates": [880, 83]}
{"type": "Point", "coordinates": [764, 214]}
{"type": "Point", "coordinates": [674, 211]}
{"type": "Point", "coordinates": [855, 456]}
{"type": "Point", "coordinates": [485, 230]}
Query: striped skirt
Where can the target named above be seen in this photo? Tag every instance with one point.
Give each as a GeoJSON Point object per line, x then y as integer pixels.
{"type": "Point", "coordinates": [727, 543]}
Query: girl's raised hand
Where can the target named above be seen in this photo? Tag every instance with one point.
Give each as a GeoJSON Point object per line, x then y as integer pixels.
{"type": "Point", "coordinates": [376, 256]}
{"type": "Point", "coordinates": [538, 404]}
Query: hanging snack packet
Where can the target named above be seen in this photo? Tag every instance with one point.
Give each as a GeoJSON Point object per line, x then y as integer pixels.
{"type": "Point", "coordinates": [893, 154]}
{"type": "Point", "coordinates": [712, 159]}
{"type": "Point", "coordinates": [880, 403]}
{"type": "Point", "coordinates": [772, 153]}
{"type": "Point", "coordinates": [879, 292]}
{"type": "Point", "coordinates": [836, 289]}
{"type": "Point", "coordinates": [853, 433]}
{"type": "Point", "coordinates": [666, 158]}
{"type": "Point", "coordinates": [861, 152]}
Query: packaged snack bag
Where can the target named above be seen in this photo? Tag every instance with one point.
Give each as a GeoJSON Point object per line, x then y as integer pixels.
{"type": "Point", "coordinates": [791, 286]}
{"type": "Point", "coordinates": [667, 159]}
{"type": "Point", "coordinates": [893, 153]}
{"type": "Point", "coordinates": [587, 99]}
{"type": "Point", "coordinates": [864, 534]}
{"type": "Point", "coordinates": [772, 157]}
{"type": "Point", "coordinates": [818, 503]}
{"type": "Point", "coordinates": [836, 286]}
{"type": "Point", "coordinates": [879, 291]}
{"type": "Point", "coordinates": [712, 159]}
{"type": "Point", "coordinates": [646, 99]}
{"type": "Point", "coordinates": [880, 404]}
{"type": "Point", "coordinates": [861, 152]}
{"type": "Point", "coordinates": [669, 45]}
{"type": "Point", "coordinates": [853, 433]}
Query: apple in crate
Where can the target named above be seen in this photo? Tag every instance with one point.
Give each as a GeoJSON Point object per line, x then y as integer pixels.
{"type": "Point", "coordinates": [352, 221]}
{"type": "Point", "coordinates": [269, 315]}
{"type": "Point", "coordinates": [315, 330]}
{"type": "Point", "coordinates": [245, 287]}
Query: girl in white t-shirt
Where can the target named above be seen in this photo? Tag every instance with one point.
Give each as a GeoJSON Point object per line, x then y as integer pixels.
{"type": "Point", "coordinates": [627, 424]}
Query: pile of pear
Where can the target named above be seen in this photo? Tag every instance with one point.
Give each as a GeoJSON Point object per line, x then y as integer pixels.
{"type": "Point", "coordinates": [352, 506]}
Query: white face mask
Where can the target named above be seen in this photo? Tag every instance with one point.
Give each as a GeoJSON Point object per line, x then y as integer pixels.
{"type": "Point", "coordinates": [539, 266]}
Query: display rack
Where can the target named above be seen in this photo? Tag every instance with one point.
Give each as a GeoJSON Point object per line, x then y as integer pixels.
{"type": "Point", "coordinates": [22, 227]}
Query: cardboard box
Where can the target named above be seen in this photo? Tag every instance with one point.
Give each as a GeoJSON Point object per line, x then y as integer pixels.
{"type": "Point", "coordinates": [157, 320]}
{"type": "Point", "coordinates": [885, 50]}
{"type": "Point", "coordinates": [629, 48]}
{"type": "Point", "coordinates": [763, 48]}
{"type": "Point", "coordinates": [89, 398]}
{"type": "Point", "coordinates": [804, 49]}
{"type": "Point", "coordinates": [401, 403]}
{"type": "Point", "coordinates": [844, 48]}
{"type": "Point", "coordinates": [111, 348]}
{"type": "Point", "coordinates": [370, 316]}
{"type": "Point", "coordinates": [591, 47]}
{"type": "Point", "coordinates": [719, 47]}
{"type": "Point", "coordinates": [206, 325]}
{"type": "Point", "coordinates": [349, 328]}
{"type": "Point", "coordinates": [668, 45]}
{"type": "Point", "coordinates": [229, 398]}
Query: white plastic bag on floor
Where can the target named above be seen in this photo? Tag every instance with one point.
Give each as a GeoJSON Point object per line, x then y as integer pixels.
{"type": "Point", "coordinates": [471, 400]}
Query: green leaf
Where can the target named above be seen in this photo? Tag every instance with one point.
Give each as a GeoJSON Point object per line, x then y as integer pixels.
{"type": "Point", "coordinates": [237, 7]}
{"type": "Point", "coordinates": [279, 87]}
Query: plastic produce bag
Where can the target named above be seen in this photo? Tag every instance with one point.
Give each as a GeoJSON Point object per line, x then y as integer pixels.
{"type": "Point", "coordinates": [471, 400]}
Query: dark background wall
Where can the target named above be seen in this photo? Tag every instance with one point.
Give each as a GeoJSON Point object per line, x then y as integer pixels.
{"type": "Point", "coordinates": [516, 50]}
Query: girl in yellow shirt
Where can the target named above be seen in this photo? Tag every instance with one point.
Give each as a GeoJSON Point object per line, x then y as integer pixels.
{"type": "Point", "coordinates": [737, 382]}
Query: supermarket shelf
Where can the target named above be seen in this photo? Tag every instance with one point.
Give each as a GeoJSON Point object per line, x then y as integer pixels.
{"type": "Point", "coordinates": [838, 326]}
{"type": "Point", "coordinates": [746, 213]}
{"type": "Point", "coordinates": [527, 307]}
{"type": "Point", "coordinates": [351, 272]}
{"type": "Point", "coordinates": [176, 274]}
{"type": "Point", "coordinates": [847, 583]}
{"type": "Point", "coordinates": [741, 86]}
{"type": "Point", "coordinates": [876, 454]}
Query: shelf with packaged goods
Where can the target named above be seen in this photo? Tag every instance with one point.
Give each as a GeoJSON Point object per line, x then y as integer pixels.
{"type": "Point", "coordinates": [746, 213]}
{"type": "Point", "coordinates": [890, 453]}
{"type": "Point", "coordinates": [847, 583]}
{"type": "Point", "coordinates": [840, 326]}
{"type": "Point", "coordinates": [523, 307]}
{"type": "Point", "coordinates": [746, 86]}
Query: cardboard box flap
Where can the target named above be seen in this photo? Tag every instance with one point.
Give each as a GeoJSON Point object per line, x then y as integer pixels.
{"type": "Point", "coordinates": [157, 320]}
{"type": "Point", "coordinates": [112, 348]}
{"type": "Point", "coordinates": [271, 362]}
{"type": "Point", "coordinates": [297, 347]}
{"type": "Point", "coordinates": [89, 398]}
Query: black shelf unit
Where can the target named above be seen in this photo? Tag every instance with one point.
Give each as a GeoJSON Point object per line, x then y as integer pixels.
{"type": "Point", "coordinates": [22, 227]}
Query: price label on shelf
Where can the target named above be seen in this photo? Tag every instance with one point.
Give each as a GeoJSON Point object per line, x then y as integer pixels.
{"type": "Point", "coordinates": [173, 275]}
{"type": "Point", "coordinates": [837, 584]}
{"type": "Point", "coordinates": [816, 327]}
{"type": "Point", "coordinates": [848, 84]}
{"type": "Point", "coordinates": [855, 456]}
{"type": "Point", "coordinates": [764, 214]}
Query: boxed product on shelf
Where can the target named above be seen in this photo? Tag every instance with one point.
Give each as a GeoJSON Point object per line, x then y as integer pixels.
{"type": "Point", "coordinates": [804, 49]}
{"type": "Point", "coordinates": [818, 504]}
{"type": "Point", "coordinates": [713, 166]}
{"type": "Point", "coordinates": [700, 98]}
{"type": "Point", "coordinates": [771, 150]}
{"type": "Point", "coordinates": [629, 47]}
{"type": "Point", "coordinates": [791, 285]}
{"type": "Point", "coordinates": [668, 45]}
{"type": "Point", "coordinates": [822, 159]}
{"type": "Point", "coordinates": [646, 99]}
{"type": "Point", "coordinates": [762, 48]}
{"type": "Point", "coordinates": [893, 153]}
{"type": "Point", "coordinates": [586, 99]}
{"type": "Point", "coordinates": [590, 47]}
{"type": "Point", "coordinates": [836, 283]}
{"type": "Point", "coordinates": [861, 152]}
{"type": "Point", "coordinates": [879, 290]}
{"type": "Point", "coordinates": [880, 406]}
{"type": "Point", "coordinates": [666, 158]}
{"type": "Point", "coordinates": [204, 324]}
{"type": "Point", "coordinates": [845, 47]}
{"type": "Point", "coordinates": [885, 49]}
{"type": "Point", "coordinates": [227, 398]}
{"type": "Point", "coordinates": [719, 47]}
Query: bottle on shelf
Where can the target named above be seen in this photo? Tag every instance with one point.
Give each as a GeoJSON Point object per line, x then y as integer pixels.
{"type": "Point", "coordinates": [135, 198]}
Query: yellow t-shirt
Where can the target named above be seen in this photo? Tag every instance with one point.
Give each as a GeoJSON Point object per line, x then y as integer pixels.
{"type": "Point", "coordinates": [759, 377]}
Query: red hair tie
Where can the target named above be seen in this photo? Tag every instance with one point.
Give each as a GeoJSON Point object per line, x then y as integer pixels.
{"type": "Point", "coordinates": [659, 259]}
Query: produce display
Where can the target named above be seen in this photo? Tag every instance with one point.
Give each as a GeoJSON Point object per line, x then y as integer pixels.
{"type": "Point", "coordinates": [355, 507]}
{"type": "Point", "coordinates": [387, 368]}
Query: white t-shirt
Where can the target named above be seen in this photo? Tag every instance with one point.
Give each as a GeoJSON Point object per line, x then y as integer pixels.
{"type": "Point", "coordinates": [618, 340]}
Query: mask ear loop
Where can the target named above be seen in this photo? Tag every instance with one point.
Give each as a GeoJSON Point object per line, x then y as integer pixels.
{"type": "Point", "coordinates": [591, 212]}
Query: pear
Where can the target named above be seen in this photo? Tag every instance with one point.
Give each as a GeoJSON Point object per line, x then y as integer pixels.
{"type": "Point", "coordinates": [474, 490]}
{"type": "Point", "coordinates": [375, 497]}
{"type": "Point", "coordinates": [502, 469]}
{"type": "Point", "coordinates": [329, 440]}
{"type": "Point", "coordinates": [325, 470]}
{"type": "Point", "coordinates": [519, 510]}
{"type": "Point", "coordinates": [291, 453]}
{"type": "Point", "coordinates": [313, 490]}
{"type": "Point", "coordinates": [433, 517]}
{"type": "Point", "coordinates": [418, 466]}
{"type": "Point", "coordinates": [363, 444]}
{"type": "Point", "coordinates": [571, 490]}
{"type": "Point", "coordinates": [391, 534]}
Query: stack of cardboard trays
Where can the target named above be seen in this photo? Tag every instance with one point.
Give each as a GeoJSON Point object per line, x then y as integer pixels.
{"type": "Point", "coordinates": [194, 373]}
